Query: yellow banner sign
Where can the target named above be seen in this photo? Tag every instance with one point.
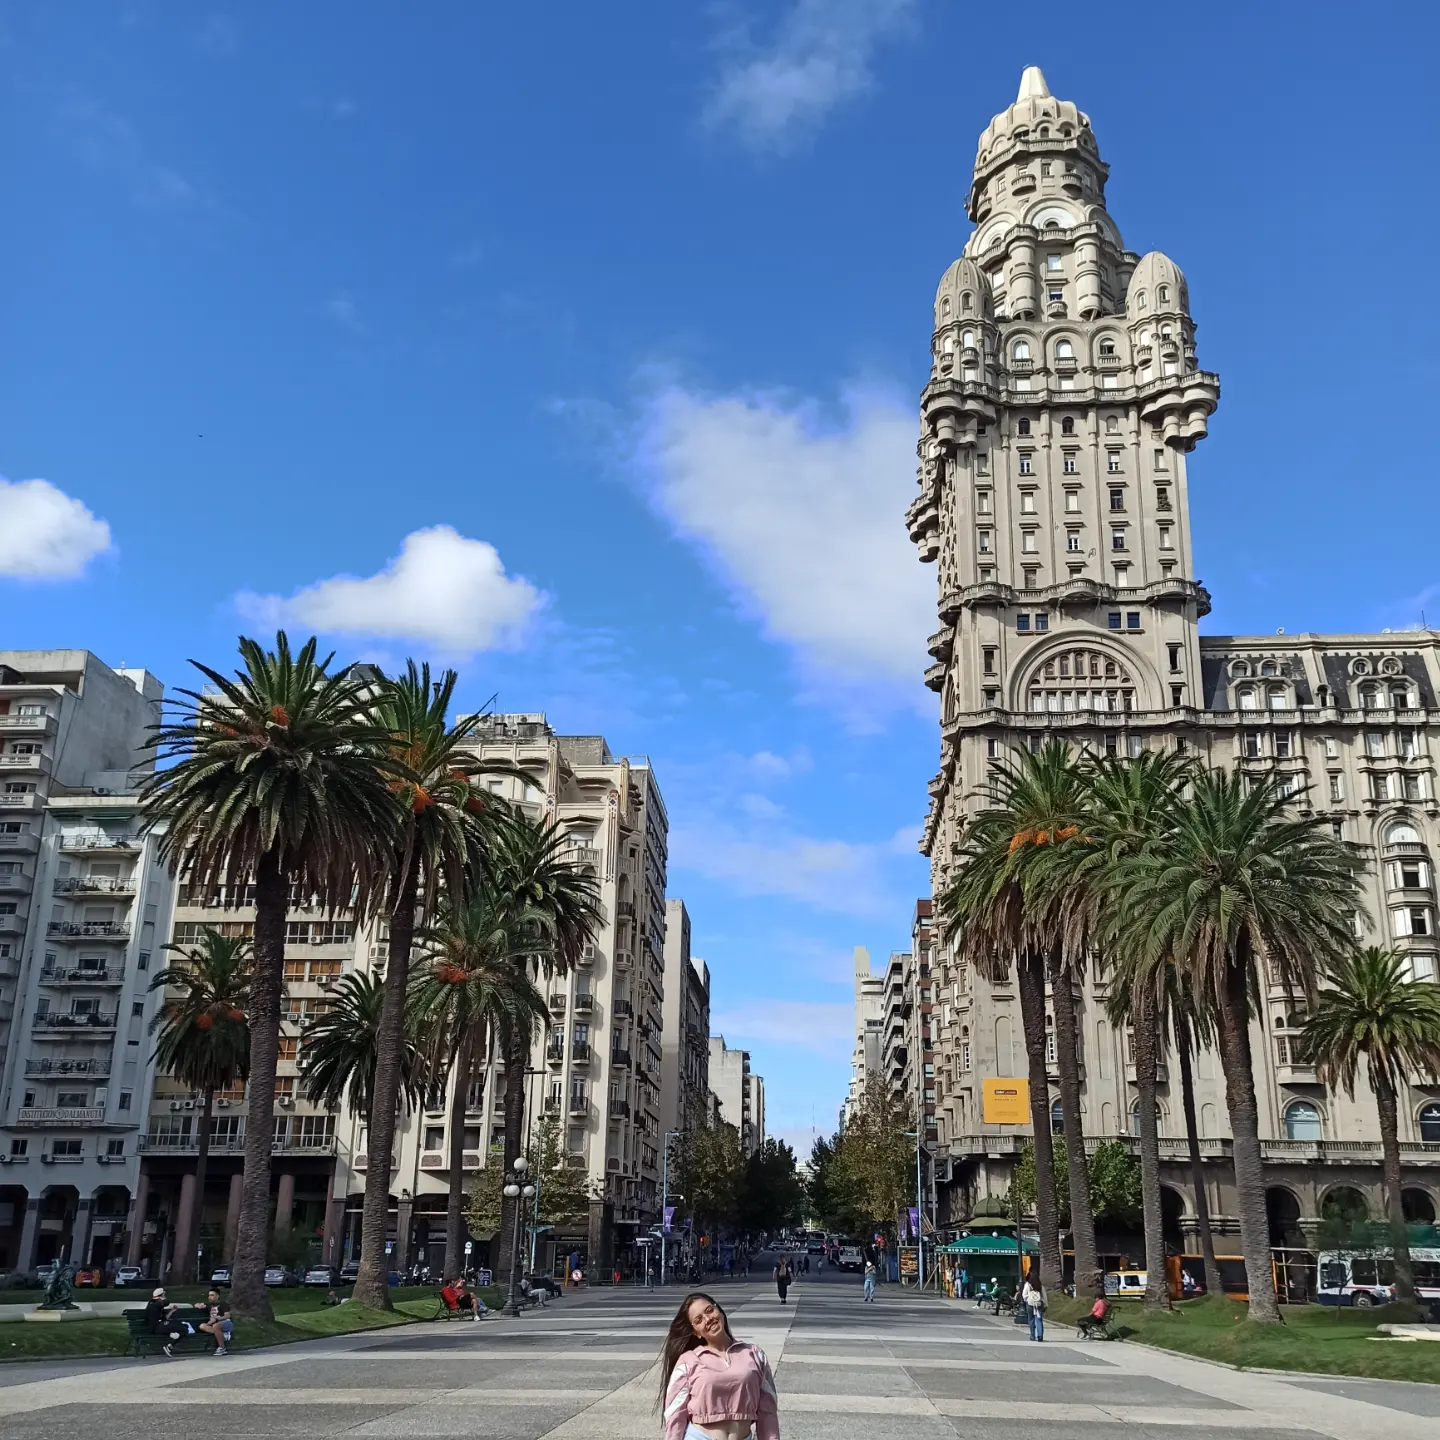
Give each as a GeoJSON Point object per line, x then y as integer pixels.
{"type": "Point", "coordinates": [1006, 1102]}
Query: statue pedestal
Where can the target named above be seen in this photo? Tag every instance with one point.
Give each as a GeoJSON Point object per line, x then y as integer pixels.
{"type": "Point", "coordinates": [58, 1317]}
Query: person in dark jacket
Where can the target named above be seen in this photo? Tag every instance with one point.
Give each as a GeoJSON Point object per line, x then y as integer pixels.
{"type": "Point", "coordinates": [783, 1277]}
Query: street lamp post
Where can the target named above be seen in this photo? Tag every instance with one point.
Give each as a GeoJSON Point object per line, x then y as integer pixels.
{"type": "Point", "coordinates": [665, 1198]}
{"type": "Point", "coordinates": [515, 1189]}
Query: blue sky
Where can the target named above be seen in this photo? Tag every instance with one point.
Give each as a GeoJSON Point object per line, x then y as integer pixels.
{"type": "Point", "coordinates": [591, 336]}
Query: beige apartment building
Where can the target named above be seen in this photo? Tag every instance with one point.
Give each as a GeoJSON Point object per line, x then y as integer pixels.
{"type": "Point", "coordinates": [731, 1082]}
{"type": "Point", "coordinates": [685, 1033]}
{"type": "Point", "coordinates": [1065, 401]}
{"type": "Point", "coordinates": [596, 1068]}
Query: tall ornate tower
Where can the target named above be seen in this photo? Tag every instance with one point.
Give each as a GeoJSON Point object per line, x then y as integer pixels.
{"type": "Point", "coordinates": [1063, 400]}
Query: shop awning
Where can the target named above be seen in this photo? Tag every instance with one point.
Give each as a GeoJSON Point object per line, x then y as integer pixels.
{"type": "Point", "coordinates": [989, 1245]}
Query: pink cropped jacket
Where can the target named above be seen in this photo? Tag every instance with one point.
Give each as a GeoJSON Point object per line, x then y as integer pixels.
{"type": "Point", "coordinates": [707, 1388]}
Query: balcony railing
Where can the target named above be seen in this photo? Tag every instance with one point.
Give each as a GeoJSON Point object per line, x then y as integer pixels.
{"type": "Point", "coordinates": [80, 975]}
{"type": "Point", "coordinates": [620, 1057]}
{"type": "Point", "coordinates": [623, 1010]}
{"type": "Point", "coordinates": [557, 1002]}
{"type": "Point", "coordinates": [87, 930]}
{"type": "Point", "coordinates": [89, 1020]}
{"type": "Point", "coordinates": [43, 721]}
{"type": "Point", "coordinates": [94, 885]}
{"type": "Point", "coordinates": [584, 1002]}
{"type": "Point", "coordinates": [70, 1069]}
{"type": "Point", "coordinates": [232, 1144]}
{"type": "Point", "coordinates": [577, 1105]}
{"type": "Point", "coordinates": [580, 1052]}
{"type": "Point", "coordinates": [98, 840]}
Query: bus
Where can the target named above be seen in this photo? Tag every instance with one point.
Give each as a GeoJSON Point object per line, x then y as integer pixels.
{"type": "Point", "coordinates": [1367, 1277]}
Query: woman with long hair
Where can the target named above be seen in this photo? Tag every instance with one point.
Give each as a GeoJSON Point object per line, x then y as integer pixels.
{"type": "Point", "coordinates": [712, 1386]}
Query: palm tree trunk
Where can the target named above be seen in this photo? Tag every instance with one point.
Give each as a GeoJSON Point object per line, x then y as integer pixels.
{"type": "Point", "coordinates": [370, 1284]}
{"type": "Point", "coordinates": [517, 1056]}
{"type": "Point", "coordinates": [1385, 1103]}
{"type": "Point", "coordinates": [1157, 1289]}
{"type": "Point", "coordinates": [1030, 985]}
{"type": "Point", "coordinates": [189, 1265]}
{"type": "Point", "coordinates": [1088, 1279]}
{"type": "Point", "coordinates": [455, 1201]}
{"type": "Point", "coordinates": [1240, 1101]}
{"type": "Point", "coordinates": [1213, 1283]}
{"type": "Point", "coordinates": [248, 1296]}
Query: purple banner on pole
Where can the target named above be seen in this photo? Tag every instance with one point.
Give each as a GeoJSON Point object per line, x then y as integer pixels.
{"type": "Point", "coordinates": [669, 1217]}
{"type": "Point", "coordinates": [914, 1216]}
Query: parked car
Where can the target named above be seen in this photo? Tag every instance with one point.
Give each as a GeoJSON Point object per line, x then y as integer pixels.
{"type": "Point", "coordinates": [278, 1275]}
{"type": "Point", "coordinates": [130, 1275]}
{"type": "Point", "coordinates": [91, 1279]}
{"type": "Point", "coordinates": [320, 1275]}
{"type": "Point", "coordinates": [220, 1277]}
{"type": "Point", "coordinates": [349, 1272]}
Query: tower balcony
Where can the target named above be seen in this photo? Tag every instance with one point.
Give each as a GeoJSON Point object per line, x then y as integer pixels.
{"type": "Point", "coordinates": [941, 644]}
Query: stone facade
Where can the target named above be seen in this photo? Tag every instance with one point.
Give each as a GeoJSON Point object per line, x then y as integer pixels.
{"type": "Point", "coordinates": [685, 1058]}
{"type": "Point", "coordinates": [1064, 403]}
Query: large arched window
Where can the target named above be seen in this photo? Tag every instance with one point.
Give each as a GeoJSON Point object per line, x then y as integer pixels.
{"type": "Point", "coordinates": [1162, 294]}
{"type": "Point", "coordinates": [1402, 834]}
{"type": "Point", "coordinates": [1245, 698]}
{"type": "Point", "coordinates": [1302, 1121]}
{"type": "Point", "coordinates": [1021, 350]}
{"type": "Point", "coordinates": [1428, 1121]}
{"type": "Point", "coordinates": [1067, 425]}
{"type": "Point", "coordinates": [1057, 1118]}
{"type": "Point", "coordinates": [1064, 350]}
{"type": "Point", "coordinates": [1081, 679]}
{"type": "Point", "coordinates": [1022, 425]}
{"type": "Point", "coordinates": [1276, 697]}
{"type": "Point", "coordinates": [1135, 1118]}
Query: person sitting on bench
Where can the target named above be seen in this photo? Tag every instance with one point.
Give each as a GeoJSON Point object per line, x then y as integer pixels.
{"type": "Point", "coordinates": [1097, 1322]}
{"type": "Point", "coordinates": [460, 1300]}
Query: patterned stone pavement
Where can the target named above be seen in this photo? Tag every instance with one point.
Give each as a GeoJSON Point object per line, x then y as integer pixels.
{"type": "Point", "coordinates": [585, 1369]}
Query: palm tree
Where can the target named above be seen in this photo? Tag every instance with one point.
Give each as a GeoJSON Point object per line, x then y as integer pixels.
{"type": "Point", "coordinates": [1372, 1010]}
{"type": "Point", "coordinates": [552, 909]}
{"type": "Point", "coordinates": [1243, 897]}
{"type": "Point", "coordinates": [989, 911]}
{"type": "Point", "coordinates": [437, 842]}
{"type": "Point", "coordinates": [1191, 1026]}
{"type": "Point", "coordinates": [280, 778]}
{"type": "Point", "coordinates": [471, 989]}
{"type": "Point", "coordinates": [204, 1039]}
{"type": "Point", "coordinates": [1130, 808]}
{"type": "Point", "coordinates": [338, 1049]}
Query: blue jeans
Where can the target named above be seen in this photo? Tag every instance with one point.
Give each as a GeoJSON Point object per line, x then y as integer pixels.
{"type": "Point", "coordinates": [1037, 1324]}
{"type": "Point", "coordinates": [869, 1287]}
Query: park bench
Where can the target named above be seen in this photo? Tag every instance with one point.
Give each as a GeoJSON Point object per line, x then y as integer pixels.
{"type": "Point", "coordinates": [1089, 1328]}
{"type": "Point", "coordinates": [144, 1341]}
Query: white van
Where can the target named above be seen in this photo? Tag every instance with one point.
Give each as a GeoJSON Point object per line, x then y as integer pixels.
{"type": "Point", "coordinates": [851, 1258]}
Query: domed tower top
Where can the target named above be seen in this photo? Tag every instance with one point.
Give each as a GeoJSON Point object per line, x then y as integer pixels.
{"type": "Point", "coordinates": [1037, 124]}
{"type": "Point", "coordinates": [1157, 287]}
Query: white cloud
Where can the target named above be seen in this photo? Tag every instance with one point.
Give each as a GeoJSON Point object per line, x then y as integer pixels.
{"type": "Point", "coordinates": [843, 876]}
{"type": "Point", "coordinates": [805, 522]}
{"type": "Point", "coordinates": [824, 1026]}
{"type": "Point", "coordinates": [774, 97]}
{"type": "Point", "coordinates": [343, 310]}
{"type": "Point", "coordinates": [442, 589]}
{"type": "Point", "coordinates": [45, 534]}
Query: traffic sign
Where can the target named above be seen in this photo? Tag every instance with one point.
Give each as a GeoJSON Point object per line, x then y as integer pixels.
{"type": "Point", "coordinates": [469, 1246]}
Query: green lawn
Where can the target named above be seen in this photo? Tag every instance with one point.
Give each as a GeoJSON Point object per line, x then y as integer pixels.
{"type": "Point", "coordinates": [1323, 1339]}
{"type": "Point", "coordinates": [299, 1315]}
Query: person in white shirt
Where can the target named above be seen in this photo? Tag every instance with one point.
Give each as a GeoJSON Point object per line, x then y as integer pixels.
{"type": "Point", "coordinates": [1034, 1297]}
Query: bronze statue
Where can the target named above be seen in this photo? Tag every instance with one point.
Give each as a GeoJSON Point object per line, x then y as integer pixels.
{"type": "Point", "coordinates": [60, 1291]}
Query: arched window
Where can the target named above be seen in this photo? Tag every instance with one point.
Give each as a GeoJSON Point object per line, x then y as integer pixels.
{"type": "Point", "coordinates": [1162, 294]}
{"type": "Point", "coordinates": [1399, 697]}
{"type": "Point", "coordinates": [1369, 697]}
{"type": "Point", "coordinates": [1043, 132]}
{"type": "Point", "coordinates": [947, 345]}
{"type": "Point", "coordinates": [1112, 424]}
{"type": "Point", "coordinates": [1067, 425]}
{"type": "Point", "coordinates": [1140, 301]}
{"type": "Point", "coordinates": [1277, 698]}
{"type": "Point", "coordinates": [1107, 347]}
{"type": "Point", "coordinates": [1361, 667]}
{"type": "Point", "coordinates": [1245, 697]}
{"type": "Point", "coordinates": [1429, 1123]}
{"type": "Point", "coordinates": [1021, 350]}
{"type": "Point", "coordinates": [1135, 1118]}
{"type": "Point", "coordinates": [1079, 680]}
{"type": "Point", "coordinates": [944, 304]}
{"type": "Point", "coordinates": [1239, 667]}
{"type": "Point", "coordinates": [1402, 834]}
{"type": "Point", "coordinates": [967, 302]}
{"type": "Point", "coordinates": [1064, 350]}
{"type": "Point", "coordinates": [1268, 668]}
{"type": "Point", "coordinates": [967, 339]}
{"type": "Point", "coordinates": [1022, 426]}
{"type": "Point", "coordinates": [1302, 1121]}
{"type": "Point", "coordinates": [1057, 1118]}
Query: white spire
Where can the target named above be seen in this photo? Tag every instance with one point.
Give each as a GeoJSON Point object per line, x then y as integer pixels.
{"type": "Point", "coordinates": [1032, 85]}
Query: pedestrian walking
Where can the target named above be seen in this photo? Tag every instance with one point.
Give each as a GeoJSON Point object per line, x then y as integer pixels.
{"type": "Point", "coordinates": [712, 1385]}
{"type": "Point", "coordinates": [870, 1277]}
{"type": "Point", "coordinates": [1034, 1297]}
{"type": "Point", "coordinates": [964, 1283]}
{"type": "Point", "coordinates": [783, 1276]}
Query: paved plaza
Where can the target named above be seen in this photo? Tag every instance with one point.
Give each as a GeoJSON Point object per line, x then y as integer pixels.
{"type": "Point", "coordinates": [585, 1368]}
